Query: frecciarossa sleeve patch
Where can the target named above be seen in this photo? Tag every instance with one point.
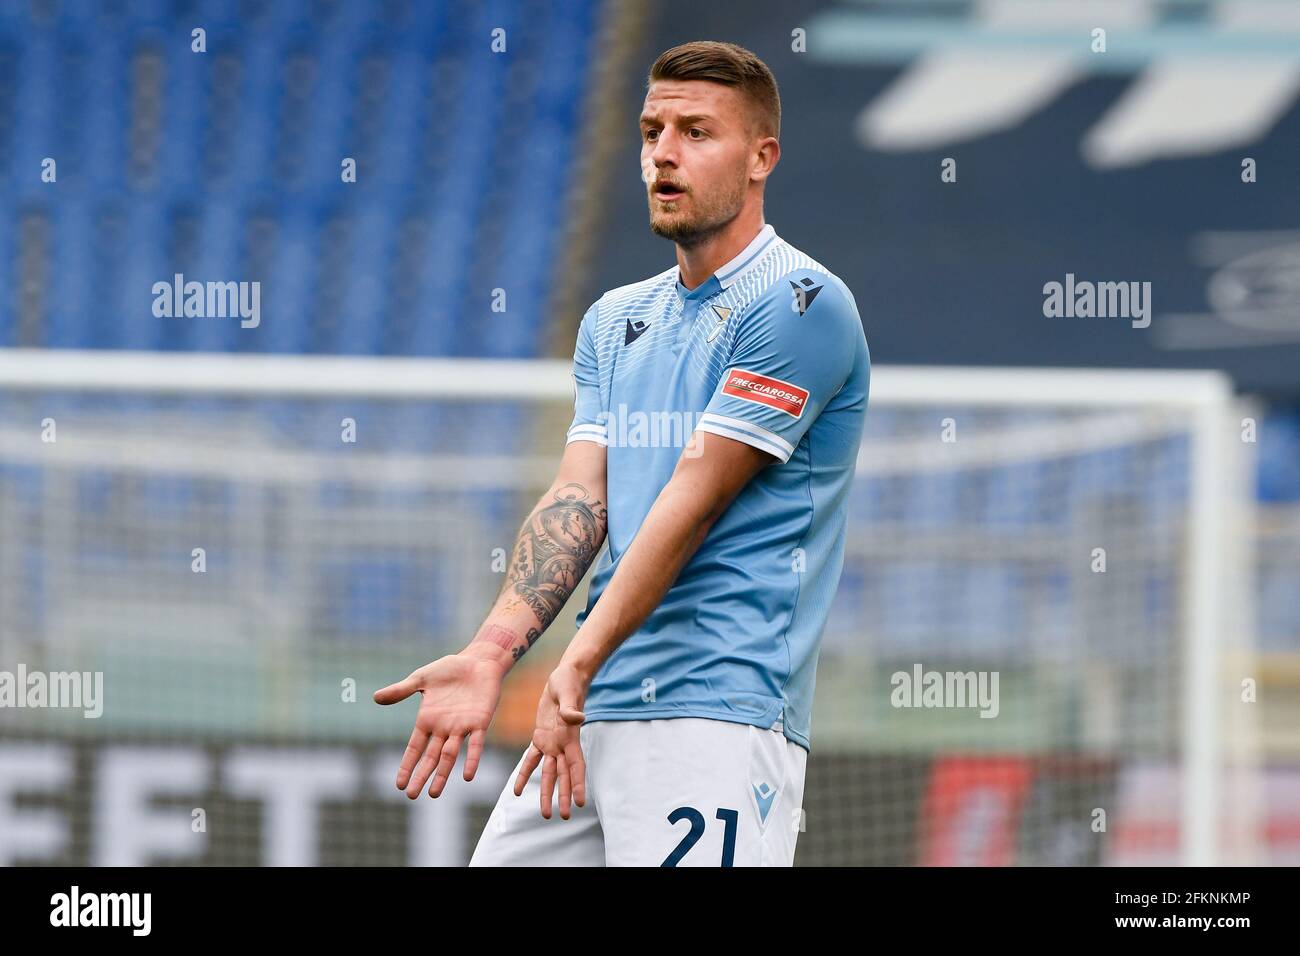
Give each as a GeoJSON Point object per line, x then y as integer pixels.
{"type": "Point", "coordinates": [762, 390]}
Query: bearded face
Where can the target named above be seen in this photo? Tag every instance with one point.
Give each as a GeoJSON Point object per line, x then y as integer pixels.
{"type": "Point", "coordinates": [695, 151]}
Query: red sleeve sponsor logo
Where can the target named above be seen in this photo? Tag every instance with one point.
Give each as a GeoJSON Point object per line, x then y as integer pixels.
{"type": "Point", "coordinates": [762, 390]}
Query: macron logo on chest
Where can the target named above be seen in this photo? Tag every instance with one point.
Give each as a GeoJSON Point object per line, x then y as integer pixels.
{"type": "Point", "coordinates": [762, 390]}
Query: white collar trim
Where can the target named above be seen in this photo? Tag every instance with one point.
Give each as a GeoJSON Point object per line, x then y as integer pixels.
{"type": "Point", "coordinates": [743, 262]}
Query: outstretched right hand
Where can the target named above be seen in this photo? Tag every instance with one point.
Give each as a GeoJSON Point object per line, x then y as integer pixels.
{"type": "Point", "coordinates": [461, 693]}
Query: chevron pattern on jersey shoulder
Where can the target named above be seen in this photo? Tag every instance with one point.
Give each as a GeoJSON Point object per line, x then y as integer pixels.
{"type": "Point", "coordinates": [639, 306]}
{"type": "Point", "coordinates": [632, 321]}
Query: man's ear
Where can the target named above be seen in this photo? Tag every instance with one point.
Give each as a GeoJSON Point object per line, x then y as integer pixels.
{"type": "Point", "coordinates": [766, 156]}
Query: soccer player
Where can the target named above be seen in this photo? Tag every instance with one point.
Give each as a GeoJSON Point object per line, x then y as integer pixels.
{"type": "Point", "coordinates": [718, 413]}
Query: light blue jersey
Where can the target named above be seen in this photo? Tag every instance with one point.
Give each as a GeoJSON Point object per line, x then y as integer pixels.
{"type": "Point", "coordinates": [769, 351]}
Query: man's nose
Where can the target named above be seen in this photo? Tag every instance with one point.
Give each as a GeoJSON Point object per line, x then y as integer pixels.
{"type": "Point", "coordinates": [665, 151]}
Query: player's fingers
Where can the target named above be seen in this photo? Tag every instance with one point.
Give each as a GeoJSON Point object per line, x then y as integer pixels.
{"type": "Point", "coordinates": [394, 693]}
{"type": "Point", "coordinates": [472, 753]}
{"type": "Point", "coordinates": [414, 750]}
{"type": "Point", "coordinates": [562, 778]}
{"type": "Point", "coordinates": [577, 772]}
{"type": "Point", "coordinates": [450, 750]}
{"type": "Point", "coordinates": [424, 768]}
{"type": "Point", "coordinates": [548, 784]}
{"type": "Point", "coordinates": [532, 758]}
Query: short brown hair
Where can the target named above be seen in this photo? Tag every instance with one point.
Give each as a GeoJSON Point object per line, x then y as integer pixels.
{"type": "Point", "coordinates": [730, 65]}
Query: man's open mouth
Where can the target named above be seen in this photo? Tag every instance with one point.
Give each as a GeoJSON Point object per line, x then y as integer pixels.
{"type": "Point", "coordinates": [668, 191]}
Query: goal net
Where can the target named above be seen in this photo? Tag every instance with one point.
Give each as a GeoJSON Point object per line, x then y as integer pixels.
{"type": "Point", "coordinates": [1038, 654]}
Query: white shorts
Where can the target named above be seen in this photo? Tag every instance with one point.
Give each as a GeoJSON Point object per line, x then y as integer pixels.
{"type": "Point", "coordinates": [680, 792]}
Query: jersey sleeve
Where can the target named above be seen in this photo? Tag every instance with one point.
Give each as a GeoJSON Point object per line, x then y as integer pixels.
{"type": "Point", "coordinates": [588, 406]}
{"type": "Point", "coordinates": [791, 355]}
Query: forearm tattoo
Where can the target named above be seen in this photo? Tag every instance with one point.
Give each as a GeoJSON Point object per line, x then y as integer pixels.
{"type": "Point", "coordinates": [555, 547]}
{"type": "Point", "coordinates": [507, 639]}
{"type": "Point", "coordinates": [519, 650]}
{"type": "Point", "coordinates": [502, 637]}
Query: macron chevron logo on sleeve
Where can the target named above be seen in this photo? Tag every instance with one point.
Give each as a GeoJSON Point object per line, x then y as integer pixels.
{"type": "Point", "coordinates": [762, 390]}
{"type": "Point", "coordinates": [805, 290]}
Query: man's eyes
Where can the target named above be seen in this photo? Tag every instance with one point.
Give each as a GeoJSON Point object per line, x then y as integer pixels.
{"type": "Point", "coordinates": [695, 132]}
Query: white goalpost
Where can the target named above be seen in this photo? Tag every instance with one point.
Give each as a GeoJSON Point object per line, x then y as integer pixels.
{"type": "Point", "coordinates": [1084, 535]}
